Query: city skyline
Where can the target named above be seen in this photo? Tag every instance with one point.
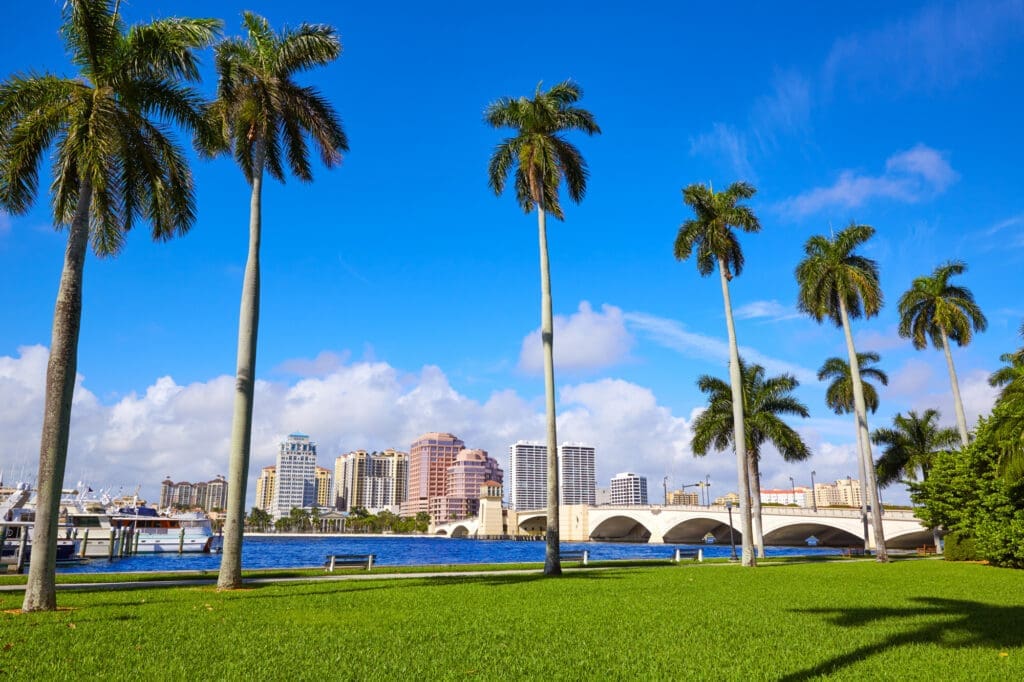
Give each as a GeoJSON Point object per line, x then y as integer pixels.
{"type": "Point", "coordinates": [890, 115]}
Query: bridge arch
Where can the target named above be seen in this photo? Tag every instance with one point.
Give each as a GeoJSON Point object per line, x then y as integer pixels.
{"type": "Point", "coordinates": [537, 524]}
{"type": "Point", "coordinates": [621, 528]}
{"type": "Point", "coordinates": [460, 531]}
{"type": "Point", "coordinates": [911, 540]}
{"type": "Point", "coordinates": [796, 535]}
{"type": "Point", "coordinates": [693, 531]}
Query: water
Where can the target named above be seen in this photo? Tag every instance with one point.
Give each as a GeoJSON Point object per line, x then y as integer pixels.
{"type": "Point", "coordinates": [305, 551]}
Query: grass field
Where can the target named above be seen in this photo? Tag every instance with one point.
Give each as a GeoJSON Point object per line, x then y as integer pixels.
{"type": "Point", "coordinates": [914, 619]}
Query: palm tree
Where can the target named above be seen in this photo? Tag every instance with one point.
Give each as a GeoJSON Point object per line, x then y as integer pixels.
{"type": "Point", "coordinates": [935, 309]}
{"type": "Point", "coordinates": [764, 400]}
{"type": "Point", "coordinates": [542, 158]}
{"type": "Point", "coordinates": [839, 395]}
{"type": "Point", "coordinates": [911, 445]}
{"type": "Point", "coordinates": [266, 120]}
{"type": "Point", "coordinates": [711, 234]}
{"type": "Point", "coordinates": [1012, 372]}
{"type": "Point", "coordinates": [837, 283]}
{"type": "Point", "coordinates": [114, 163]}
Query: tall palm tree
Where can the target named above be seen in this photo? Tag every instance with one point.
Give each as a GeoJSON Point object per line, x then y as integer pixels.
{"type": "Point", "coordinates": [267, 121]}
{"type": "Point", "coordinates": [115, 163]}
{"type": "Point", "coordinates": [935, 309]}
{"type": "Point", "coordinates": [711, 234]}
{"type": "Point", "coordinates": [764, 401]}
{"type": "Point", "coordinates": [542, 158]}
{"type": "Point", "coordinates": [839, 396]}
{"type": "Point", "coordinates": [911, 445]}
{"type": "Point", "coordinates": [837, 283]}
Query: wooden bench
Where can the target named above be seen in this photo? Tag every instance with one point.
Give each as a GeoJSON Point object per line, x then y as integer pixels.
{"type": "Point", "coordinates": [582, 556]}
{"type": "Point", "coordinates": [681, 553]}
{"type": "Point", "coordinates": [854, 551]}
{"type": "Point", "coordinates": [334, 560]}
{"type": "Point", "coordinates": [925, 550]}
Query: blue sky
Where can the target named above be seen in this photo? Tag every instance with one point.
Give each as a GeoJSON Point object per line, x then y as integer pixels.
{"type": "Point", "coordinates": [401, 296]}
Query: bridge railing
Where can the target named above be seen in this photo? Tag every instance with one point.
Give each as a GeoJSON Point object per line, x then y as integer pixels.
{"type": "Point", "coordinates": [835, 512]}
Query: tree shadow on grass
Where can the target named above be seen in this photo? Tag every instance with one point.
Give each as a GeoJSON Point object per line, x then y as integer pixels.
{"type": "Point", "coordinates": [953, 623]}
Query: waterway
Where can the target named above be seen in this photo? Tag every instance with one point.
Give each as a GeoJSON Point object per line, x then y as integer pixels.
{"type": "Point", "coordinates": [305, 551]}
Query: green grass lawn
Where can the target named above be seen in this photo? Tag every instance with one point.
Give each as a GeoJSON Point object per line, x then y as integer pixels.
{"type": "Point", "coordinates": [914, 619]}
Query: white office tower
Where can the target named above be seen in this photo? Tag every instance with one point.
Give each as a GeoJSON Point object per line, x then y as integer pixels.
{"type": "Point", "coordinates": [628, 488]}
{"type": "Point", "coordinates": [296, 475]}
{"type": "Point", "coordinates": [527, 475]}
{"type": "Point", "coordinates": [576, 465]}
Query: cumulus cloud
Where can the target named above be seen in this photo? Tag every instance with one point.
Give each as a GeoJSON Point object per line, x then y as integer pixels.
{"type": "Point", "coordinates": [910, 176]}
{"type": "Point", "coordinates": [770, 310]}
{"type": "Point", "coordinates": [324, 363]}
{"type": "Point", "coordinates": [912, 379]}
{"type": "Point", "coordinates": [584, 340]}
{"type": "Point", "coordinates": [978, 398]}
{"type": "Point", "coordinates": [872, 340]}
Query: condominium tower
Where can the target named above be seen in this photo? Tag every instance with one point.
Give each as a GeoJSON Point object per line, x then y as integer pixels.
{"type": "Point", "coordinates": [464, 479]}
{"type": "Point", "coordinates": [296, 475]}
{"type": "Point", "coordinates": [528, 474]}
{"type": "Point", "coordinates": [628, 488]}
{"type": "Point", "coordinates": [265, 488]}
{"type": "Point", "coordinates": [371, 480]}
{"type": "Point", "coordinates": [429, 458]}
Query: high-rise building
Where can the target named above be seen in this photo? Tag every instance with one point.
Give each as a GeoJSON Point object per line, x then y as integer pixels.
{"type": "Point", "coordinates": [296, 475]}
{"type": "Point", "coordinates": [682, 497]}
{"type": "Point", "coordinates": [323, 496]}
{"type": "Point", "coordinates": [266, 485]}
{"type": "Point", "coordinates": [576, 466]}
{"type": "Point", "coordinates": [429, 458]}
{"type": "Point", "coordinates": [528, 474]}
{"type": "Point", "coordinates": [465, 478]}
{"type": "Point", "coordinates": [207, 495]}
{"type": "Point", "coordinates": [371, 480]}
{"type": "Point", "coordinates": [628, 488]}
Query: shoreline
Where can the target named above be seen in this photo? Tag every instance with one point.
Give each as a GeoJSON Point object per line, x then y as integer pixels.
{"type": "Point", "coordinates": [345, 535]}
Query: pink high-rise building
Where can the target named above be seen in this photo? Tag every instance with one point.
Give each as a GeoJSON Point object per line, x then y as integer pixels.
{"type": "Point", "coordinates": [429, 458]}
{"type": "Point", "coordinates": [472, 468]}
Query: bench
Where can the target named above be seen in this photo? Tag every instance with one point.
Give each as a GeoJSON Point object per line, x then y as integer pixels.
{"type": "Point", "coordinates": [925, 550]}
{"type": "Point", "coordinates": [334, 560]}
{"type": "Point", "coordinates": [582, 556]}
{"type": "Point", "coordinates": [681, 553]}
{"type": "Point", "coordinates": [854, 551]}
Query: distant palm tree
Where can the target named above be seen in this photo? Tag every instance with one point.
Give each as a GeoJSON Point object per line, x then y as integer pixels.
{"type": "Point", "coordinates": [265, 119]}
{"type": "Point", "coordinates": [764, 401]}
{"type": "Point", "coordinates": [542, 158]}
{"type": "Point", "coordinates": [837, 283]}
{"type": "Point", "coordinates": [839, 394]}
{"type": "Point", "coordinates": [911, 445]}
{"type": "Point", "coordinates": [711, 234]}
{"type": "Point", "coordinates": [935, 309]}
{"type": "Point", "coordinates": [1013, 371]}
{"type": "Point", "coordinates": [114, 163]}
{"type": "Point", "coordinates": [1007, 417]}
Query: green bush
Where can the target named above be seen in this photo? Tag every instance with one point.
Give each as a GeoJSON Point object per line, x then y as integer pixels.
{"type": "Point", "coordinates": [959, 548]}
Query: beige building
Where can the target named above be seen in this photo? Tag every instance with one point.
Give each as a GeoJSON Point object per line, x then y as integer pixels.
{"type": "Point", "coordinates": [729, 497]}
{"type": "Point", "coordinates": [682, 497]}
{"type": "Point", "coordinates": [371, 480]}
{"type": "Point", "coordinates": [324, 498]}
{"type": "Point", "coordinates": [265, 486]}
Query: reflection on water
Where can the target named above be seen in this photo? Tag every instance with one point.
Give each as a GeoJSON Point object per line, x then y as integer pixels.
{"type": "Point", "coordinates": [293, 552]}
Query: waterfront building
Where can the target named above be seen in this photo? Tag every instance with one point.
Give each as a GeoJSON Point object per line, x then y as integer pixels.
{"type": "Point", "coordinates": [463, 483]}
{"type": "Point", "coordinates": [628, 488]}
{"type": "Point", "coordinates": [324, 498]}
{"type": "Point", "coordinates": [528, 474]}
{"type": "Point", "coordinates": [296, 475]}
{"type": "Point", "coordinates": [728, 498]}
{"type": "Point", "coordinates": [371, 480]}
{"type": "Point", "coordinates": [677, 497]}
{"type": "Point", "coordinates": [265, 486]}
{"type": "Point", "coordinates": [602, 496]}
{"type": "Point", "coordinates": [429, 458]}
{"type": "Point", "coordinates": [784, 496]}
{"type": "Point", "coordinates": [205, 495]}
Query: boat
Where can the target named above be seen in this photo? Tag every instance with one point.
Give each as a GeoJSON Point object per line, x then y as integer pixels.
{"type": "Point", "coordinates": [16, 523]}
{"type": "Point", "coordinates": [135, 529]}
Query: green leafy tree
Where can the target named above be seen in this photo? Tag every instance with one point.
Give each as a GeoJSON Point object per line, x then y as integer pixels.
{"type": "Point", "coordinates": [266, 121]}
{"type": "Point", "coordinates": [765, 400]}
{"type": "Point", "coordinates": [711, 234]}
{"type": "Point", "coordinates": [839, 395]}
{"type": "Point", "coordinates": [933, 309]}
{"type": "Point", "coordinates": [422, 522]}
{"type": "Point", "coordinates": [837, 283]}
{"type": "Point", "coordinates": [259, 519]}
{"type": "Point", "coordinates": [114, 163]}
{"type": "Point", "coordinates": [540, 158]}
{"type": "Point", "coordinates": [1011, 375]}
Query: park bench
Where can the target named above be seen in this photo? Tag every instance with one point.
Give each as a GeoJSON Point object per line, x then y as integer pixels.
{"type": "Point", "coordinates": [853, 551]}
{"type": "Point", "coordinates": [334, 560]}
{"type": "Point", "coordinates": [582, 556]}
{"type": "Point", "coordinates": [682, 553]}
{"type": "Point", "coordinates": [925, 550]}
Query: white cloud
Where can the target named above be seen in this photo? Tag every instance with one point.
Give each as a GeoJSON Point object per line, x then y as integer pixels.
{"type": "Point", "coordinates": [978, 398]}
{"type": "Point", "coordinates": [584, 340]}
{"type": "Point", "coordinates": [910, 176]}
{"type": "Point", "coordinates": [726, 143]}
{"type": "Point", "coordinates": [772, 310]}
{"type": "Point", "coordinates": [937, 48]}
{"type": "Point", "coordinates": [324, 363]}
{"type": "Point", "coordinates": [871, 340]}
{"type": "Point", "coordinates": [912, 379]}
{"type": "Point", "coordinates": [785, 112]}
{"type": "Point", "coordinates": [672, 335]}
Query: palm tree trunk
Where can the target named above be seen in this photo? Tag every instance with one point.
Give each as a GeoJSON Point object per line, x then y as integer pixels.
{"type": "Point", "coordinates": [552, 565]}
{"type": "Point", "coordinates": [230, 576]}
{"type": "Point", "coordinates": [862, 472]}
{"type": "Point", "coordinates": [961, 418]}
{"type": "Point", "coordinates": [743, 478]}
{"type": "Point", "coordinates": [869, 485]}
{"type": "Point", "coordinates": [753, 475]}
{"type": "Point", "coordinates": [41, 588]}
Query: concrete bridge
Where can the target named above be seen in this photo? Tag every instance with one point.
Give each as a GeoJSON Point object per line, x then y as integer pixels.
{"type": "Point", "coordinates": [787, 526]}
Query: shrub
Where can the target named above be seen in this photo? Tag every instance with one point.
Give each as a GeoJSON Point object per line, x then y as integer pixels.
{"type": "Point", "coordinates": [959, 548]}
